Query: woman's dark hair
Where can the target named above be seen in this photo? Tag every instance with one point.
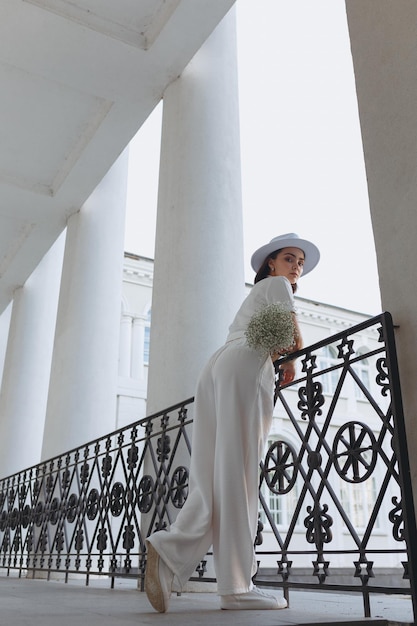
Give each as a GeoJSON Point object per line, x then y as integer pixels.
{"type": "Point", "coordinates": [265, 270]}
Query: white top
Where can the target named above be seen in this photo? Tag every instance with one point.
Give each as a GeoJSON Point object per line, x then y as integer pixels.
{"type": "Point", "coordinates": [270, 290]}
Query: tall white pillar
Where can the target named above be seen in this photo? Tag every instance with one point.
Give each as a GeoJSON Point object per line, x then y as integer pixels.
{"type": "Point", "coordinates": [27, 365]}
{"type": "Point", "coordinates": [83, 388]}
{"type": "Point", "coordinates": [198, 274]}
{"type": "Point", "coordinates": [383, 37]}
{"type": "Point", "coordinates": [4, 334]}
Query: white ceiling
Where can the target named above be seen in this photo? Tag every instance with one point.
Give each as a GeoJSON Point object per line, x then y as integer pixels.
{"type": "Point", "coordinates": [78, 78]}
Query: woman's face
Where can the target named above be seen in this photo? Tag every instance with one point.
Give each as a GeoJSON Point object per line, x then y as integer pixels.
{"type": "Point", "coordinates": [289, 262]}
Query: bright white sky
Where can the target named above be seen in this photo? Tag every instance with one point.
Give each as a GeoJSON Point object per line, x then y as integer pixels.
{"type": "Point", "coordinates": [302, 159]}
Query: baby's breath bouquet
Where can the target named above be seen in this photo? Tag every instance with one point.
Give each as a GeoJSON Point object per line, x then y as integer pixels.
{"type": "Point", "coordinates": [271, 329]}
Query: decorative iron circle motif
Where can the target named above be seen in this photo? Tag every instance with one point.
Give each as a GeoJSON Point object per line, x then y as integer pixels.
{"type": "Point", "coordinates": [66, 478]}
{"type": "Point", "coordinates": [280, 467]}
{"type": "Point", "coordinates": [93, 499]}
{"type": "Point", "coordinates": [106, 465]}
{"type": "Point", "coordinates": [72, 505]}
{"type": "Point", "coordinates": [117, 499]}
{"type": "Point", "coordinates": [14, 519]}
{"type": "Point", "coordinates": [26, 516]}
{"type": "Point", "coordinates": [354, 452]}
{"type": "Point", "coordinates": [54, 511]}
{"type": "Point", "coordinates": [179, 487]}
{"type": "Point", "coordinates": [145, 494]}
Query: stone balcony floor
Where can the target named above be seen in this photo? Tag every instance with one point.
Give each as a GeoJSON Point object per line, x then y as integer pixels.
{"type": "Point", "coordinates": [24, 602]}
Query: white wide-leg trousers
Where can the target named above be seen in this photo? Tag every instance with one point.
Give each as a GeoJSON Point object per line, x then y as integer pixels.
{"type": "Point", "coordinates": [233, 414]}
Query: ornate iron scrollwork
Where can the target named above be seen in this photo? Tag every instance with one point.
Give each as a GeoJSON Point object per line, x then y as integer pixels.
{"type": "Point", "coordinates": [106, 465]}
{"type": "Point", "coordinates": [59, 541]}
{"type": "Point", "coordinates": [382, 378]}
{"type": "Point", "coordinates": [84, 473]}
{"type": "Point", "coordinates": [66, 478]}
{"type": "Point", "coordinates": [132, 456]}
{"type": "Point", "coordinates": [318, 524]}
{"type": "Point", "coordinates": [102, 539]}
{"type": "Point", "coordinates": [163, 447]}
{"type": "Point", "coordinates": [79, 540]}
{"type": "Point", "coordinates": [311, 399]}
{"type": "Point", "coordinates": [128, 537]}
{"type": "Point", "coordinates": [396, 517]}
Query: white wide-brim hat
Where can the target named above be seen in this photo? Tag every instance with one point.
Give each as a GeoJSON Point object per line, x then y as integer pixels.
{"type": "Point", "coordinates": [289, 240]}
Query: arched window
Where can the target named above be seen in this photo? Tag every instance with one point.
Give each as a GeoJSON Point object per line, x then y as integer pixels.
{"type": "Point", "coordinates": [147, 338]}
{"type": "Point", "coordinates": [328, 358]}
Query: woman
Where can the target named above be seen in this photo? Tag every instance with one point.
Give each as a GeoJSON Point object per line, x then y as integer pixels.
{"type": "Point", "coordinates": [233, 415]}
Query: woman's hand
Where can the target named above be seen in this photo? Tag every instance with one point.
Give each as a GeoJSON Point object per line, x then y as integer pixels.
{"type": "Point", "coordinates": [287, 374]}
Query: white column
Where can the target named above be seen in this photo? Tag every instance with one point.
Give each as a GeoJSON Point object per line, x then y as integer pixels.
{"type": "Point", "coordinates": [198, 275]}
{"type": "Point", "coordinates": [28, 363]}
{"type": "Point", "coordinates": [4, 334]}
{"type": "Point", "coordinates": [82, 397]}
{"type": "Point", "coordinates": [383, 38]}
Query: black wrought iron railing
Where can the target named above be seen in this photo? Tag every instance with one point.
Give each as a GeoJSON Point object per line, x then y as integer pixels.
{"type": "Point", "coordinates": [336, 505]}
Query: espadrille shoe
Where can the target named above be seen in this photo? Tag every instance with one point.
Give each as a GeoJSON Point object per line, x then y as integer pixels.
{"type": "Point", "coordinates": [158, 580]}
{"type": "Point", "coordinates": [256, 599]}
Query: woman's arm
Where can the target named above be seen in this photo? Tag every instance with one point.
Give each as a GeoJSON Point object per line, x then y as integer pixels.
{"type": "Point", "coordinates": [298, 340]}
{"type": "Point", "coordinates": [288, 368]}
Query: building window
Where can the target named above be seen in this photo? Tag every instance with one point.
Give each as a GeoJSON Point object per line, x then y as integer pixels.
{"type": "Point", "coordinates": [326, 359]}
{"type": "Point", "coordinates": [358, 501]}
{"type": "Point", "coordinates": [282, 507]}
{"type": "Point", "coordinates": [147, 338]}
{"type": "Point", "coordinates": [362, 370]}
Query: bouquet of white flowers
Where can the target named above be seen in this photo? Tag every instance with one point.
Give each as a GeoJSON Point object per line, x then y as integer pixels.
{"type": "Point", "coordinates": [271, 330]}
